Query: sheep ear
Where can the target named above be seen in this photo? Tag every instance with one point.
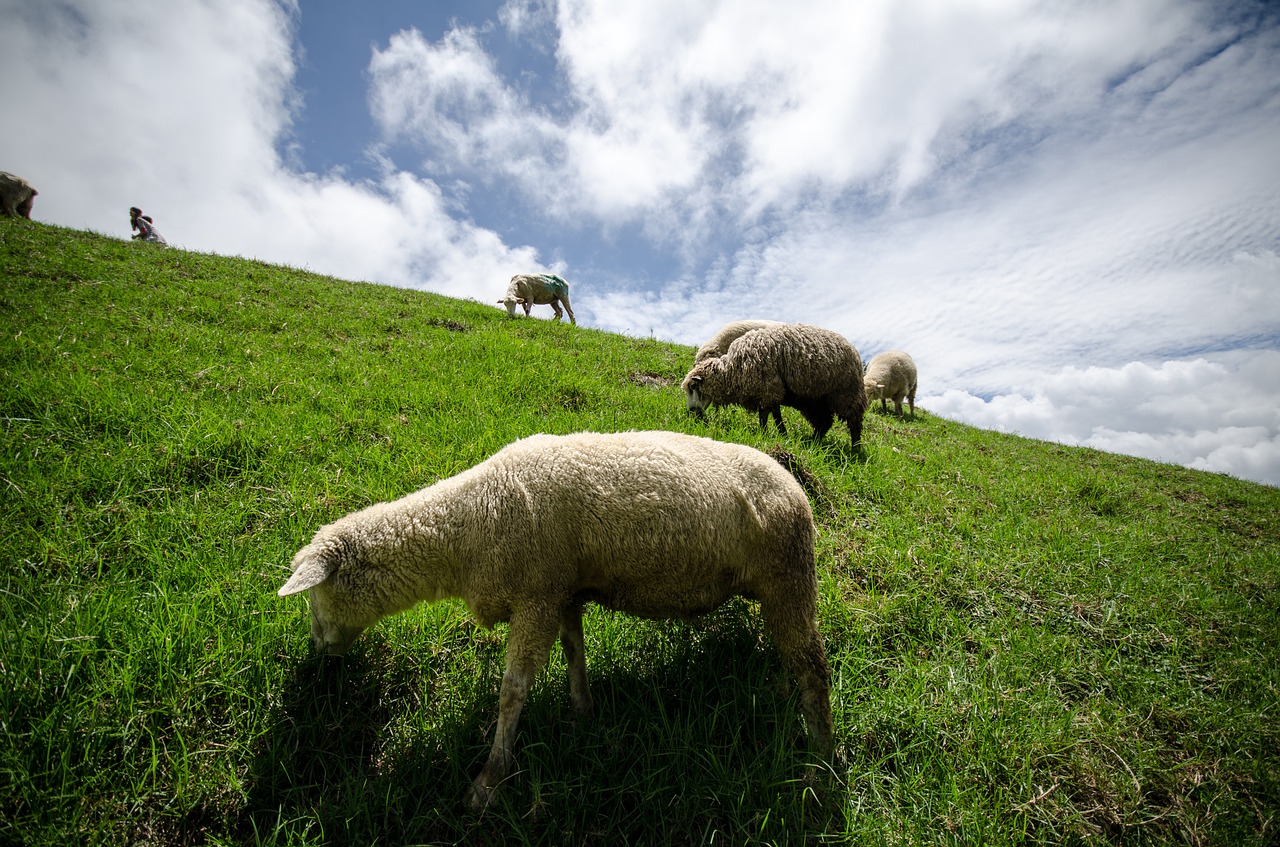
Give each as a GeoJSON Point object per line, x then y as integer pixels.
{"type": "Point", "coordinates": [312, 571]}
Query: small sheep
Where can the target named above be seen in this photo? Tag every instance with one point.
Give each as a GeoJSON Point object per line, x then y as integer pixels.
{"type": "Point", "coordinates": [16, 195]}
{"type": "Point", "coordinates": [891, 375]}
{"type": "Point", "coordinates": [655, 524]}
{"type": "Point", "coordinates": [719, 343]}
{"type": "Point", "coordinates": [806, 367]}
{"type": "Point", "coordinates": [531, 290]}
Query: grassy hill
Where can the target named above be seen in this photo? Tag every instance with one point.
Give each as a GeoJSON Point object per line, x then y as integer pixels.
{"type": "Point", "coordinates": [1030, 643]}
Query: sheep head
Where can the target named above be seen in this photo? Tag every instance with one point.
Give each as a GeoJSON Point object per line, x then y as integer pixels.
{"type": "Point", "coordinates": [338, 614]}
{"type": "Point", "coordinates": [695, 399]}
{"type": "Point", "coordinates": [511, 301]}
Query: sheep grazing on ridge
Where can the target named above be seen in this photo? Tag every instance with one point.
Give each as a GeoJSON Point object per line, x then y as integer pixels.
{"type": "Point", "coordinates": [806, 367]}
{"type": "Point", "coordinates": [16, 195]}
{"type": "Point", "coordinates": [718, 344]}
{"type": "Point", "coordinates": [655, 524]}
{"type": "Point", "coordinates": [531, 290]}
{"type": "Point", "coordinates": [891, 375]}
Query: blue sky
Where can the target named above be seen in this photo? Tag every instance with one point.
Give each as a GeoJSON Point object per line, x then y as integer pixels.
{"type": "Point", "coordinates": [1068, 213]}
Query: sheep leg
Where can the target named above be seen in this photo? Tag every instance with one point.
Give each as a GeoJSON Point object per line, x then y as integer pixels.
{"type": "Point", "coordinates": [776, 411]}
{"type": "Point", "coordinates": [805, 658]}
{"type": "Point", "coordinates": [555, 307]}
{"type": "Point", "coordinates": [569, 309]}
{"type": "Point", "coordinates": [911, 400]}
{"type": "Point", "coordinates": [820, 420]}
{"type": "Point", "coordinates": [528, 648]}
{"type": "Point", "coordinates": [575, 657]}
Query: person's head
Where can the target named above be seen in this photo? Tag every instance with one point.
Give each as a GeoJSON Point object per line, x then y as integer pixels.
{"type": "Point", "coordinates": [134, 214]}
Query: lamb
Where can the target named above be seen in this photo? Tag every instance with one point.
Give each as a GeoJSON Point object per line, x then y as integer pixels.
{"type": "Point", "coordinates": [891, 375]}
{"type": "Point", "coordinates": [806, 367]}
{"type": "Point", "coordinates": [16, 195]}
{"type": "Point", "coordinates": [719, 343]}
{"type": "Point", "coordinates": [531, 290]}
{"type": "Point", "coordinates": [655, 524]}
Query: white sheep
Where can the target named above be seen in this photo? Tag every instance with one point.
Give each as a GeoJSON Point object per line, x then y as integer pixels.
{"type": "Point", "coordinates": [718, 344]}
{"type": "Point", "coordinates": [891, 375]}
{"type": "Point", "coordinates": [655, 524]}
{"type": "Point", "coordinates": [531, 290]}
{"type": "Point", "coordinates": [806, 367]}
{"type": "Point", "coordinates": [15, 195]}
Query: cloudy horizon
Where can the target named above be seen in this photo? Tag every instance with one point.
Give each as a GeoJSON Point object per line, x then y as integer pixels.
{"type": "Point", "coordinates": [1069, 215]}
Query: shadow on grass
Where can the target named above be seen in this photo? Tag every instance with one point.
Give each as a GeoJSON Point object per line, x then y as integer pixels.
{"type": "Point", "coordinates": [696, 732]}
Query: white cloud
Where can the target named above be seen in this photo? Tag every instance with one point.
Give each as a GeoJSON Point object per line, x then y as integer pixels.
{"type": "Point", "coordinates": [1220, 414]}
{"type": "Point", "coordinates": [183, 110]}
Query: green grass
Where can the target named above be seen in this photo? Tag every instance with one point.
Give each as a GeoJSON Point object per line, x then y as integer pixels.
{"type": "Point", "coordinates": [1030, 644]}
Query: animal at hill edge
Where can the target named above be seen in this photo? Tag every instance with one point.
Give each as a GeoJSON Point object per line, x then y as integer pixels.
{"type": "Point", "coordinates": [891, 375]}
{"type": "Point", "coordinates": [16, 195]}
{"type": "Point", "coordinates": [529, 290]}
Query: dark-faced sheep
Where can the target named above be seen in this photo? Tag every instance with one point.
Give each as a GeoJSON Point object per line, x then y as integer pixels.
{"type": "Point", "coordinates": [891, 375]}
{"type": "Point", "coordinates": [654, 524]}
{"type": "Point", "coordinates": [531, 290]}
{"type": "Point", "coordinates": [808, 368]}
{"type": "Point", "coordinates": [16, 195]}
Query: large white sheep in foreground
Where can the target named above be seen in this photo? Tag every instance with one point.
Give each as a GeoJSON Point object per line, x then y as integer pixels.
{"type": "Point", "coordinates": [531, 290]}
{"type": "Point", "coordinates": [806, 367]}
{"type": "Point", "coordinates": [16, 195]}
{"type": "Point", "coordinates": [891, 375]}
{"type": "Point", "coordinates": [718, 344]}
{"type": "Point", "coordinates": [655, 524]}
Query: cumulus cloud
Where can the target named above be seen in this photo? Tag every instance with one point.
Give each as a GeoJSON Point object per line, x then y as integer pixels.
{"type": "Point", "coordinates": [1218, 415]}
{"type": "Point", "coordinates": [184, 111]}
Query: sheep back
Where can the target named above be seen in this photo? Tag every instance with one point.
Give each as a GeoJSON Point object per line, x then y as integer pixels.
{"type": "Point", "coordinates": [891, 375]}
{"type": "Point", "coordinates": [719, 343]}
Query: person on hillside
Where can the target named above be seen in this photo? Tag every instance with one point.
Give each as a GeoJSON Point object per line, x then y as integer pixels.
{"type": "Point", "coordinates": [145, 230]}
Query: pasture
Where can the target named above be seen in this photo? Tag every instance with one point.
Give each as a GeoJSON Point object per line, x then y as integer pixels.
{"type": "Point", "coordinates": [1030, 644]}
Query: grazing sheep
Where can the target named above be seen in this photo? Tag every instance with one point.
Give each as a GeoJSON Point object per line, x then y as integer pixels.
{"type": "Point", "coordinates": [806, 367]}
{"type": "Point", "coordinates": [655, 524]}
{"type": "Point", "coordinates": [531, 290]}
{"type": "Point", "coordinates": [15, 195]}
{"type": "Point", "coordinates": [891, 375]}
{"type": "Point", "coordinates": [719, 343]}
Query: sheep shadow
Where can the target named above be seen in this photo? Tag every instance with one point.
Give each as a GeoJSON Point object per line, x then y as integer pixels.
{"type": "Point", "coordinates": [701, 703]}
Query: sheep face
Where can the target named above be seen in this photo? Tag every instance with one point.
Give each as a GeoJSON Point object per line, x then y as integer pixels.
{"type": "Point", "coordinates": [339, 613]}
{"type": "Point", "coordinates": [511, 302]}
{"type": "Point", "coordinates": [695, 399]}
{"type": "Point", "coordinates": [331, 635]}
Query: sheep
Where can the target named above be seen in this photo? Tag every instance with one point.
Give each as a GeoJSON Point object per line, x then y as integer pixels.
{"type": "Point", "coordinates": [806, 367]}
{"type": "Point", "coordinates": [16, 195]}
{"type": "Point", "coordinates": [719, 343]}
{"type": "Point", "coordinates": [654, 524]}
{"type": "Point", "coordinates": [531, 290]}
{"type": "Point", "coordinates": [891, 375]}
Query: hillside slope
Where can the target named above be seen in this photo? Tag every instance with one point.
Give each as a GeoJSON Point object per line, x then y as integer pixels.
{"type": "Point", "coordinates": [1030, 643]}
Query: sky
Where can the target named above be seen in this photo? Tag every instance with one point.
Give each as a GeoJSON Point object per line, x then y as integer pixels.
{"type": "Point", "coordinates": [1068, 213]}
